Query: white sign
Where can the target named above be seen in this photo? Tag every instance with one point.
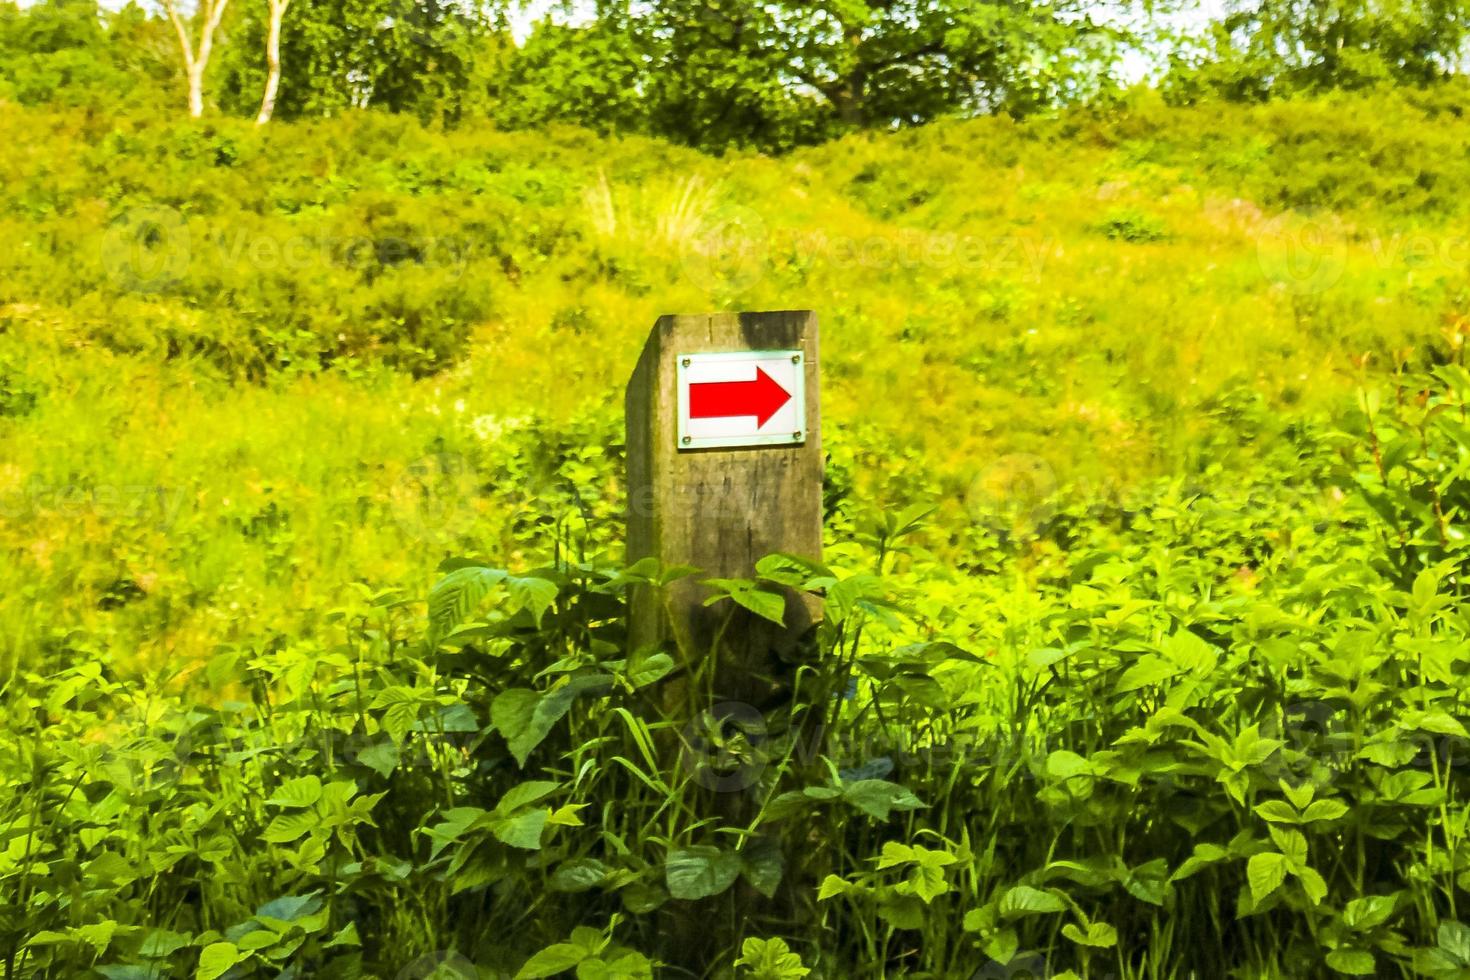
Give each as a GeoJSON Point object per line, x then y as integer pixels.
{"type": "Point", "coordinates": [745, 398]}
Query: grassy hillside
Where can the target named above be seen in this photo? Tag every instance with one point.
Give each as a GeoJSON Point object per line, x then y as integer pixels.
{"type": "Point", "coordinates": [228, 358]}
{"type": "Point", "coordinates": [1145, 652]}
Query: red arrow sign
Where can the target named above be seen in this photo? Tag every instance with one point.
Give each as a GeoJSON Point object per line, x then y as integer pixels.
{"type": "Point", "coordinates": [762, 398]}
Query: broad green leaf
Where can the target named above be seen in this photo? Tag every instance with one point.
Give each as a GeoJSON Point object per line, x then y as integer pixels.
{"type": "Point", "coordinates": [1324, 810]}
{"type": "Point", "coordinates": [1146, 671]}
{"type": "Point", "coordinates": [1312, 884]}
{"type": "Point", "coordinates": [161, 943]}
{"type": "Point", "coordinates": [289, 827]}
{"type": "Point", "coordinates": [1189, 651]}
{"type": "Point", "coordinates": [1025, 900]}
{"type": "Point", "coordinates": [895, 854]}
{"type": "Point", "coordinates": [832, 886]}
{"type": "Point", "coordinates": [763, 864]}
{"type": "Point", "coordinates": [770, 959]}
{"type": "Point", "coordinates": [902, 911]}
{"type": "Point", "coordinates": [878, 798]}
{"type": "Point", "coordinates": [578, 875]}
{"type": "Point", "coordinates": [628, 966]}
{"type": "Point", "coordinates": [554, 959]}
{"type": "Point", "coordinates": [700, 871]}
{"type": "Point", "coordinates": [1354, 962]}
{"type": "Point", "coordinates": [650, 669]}
{"type": "Point", "coordinates": [457, 595]}
{"type": "Point", "coordinates": [1064, 764]}
{"type": "Point", "coordinates": [1277, 811]}
{"type": "Point", "coordinates": [533, 594]}
{"type": "Point", "coordinates": [297, 793]}
{"type": "Point", "coordinates": [525, 718]}
{"type": "Point", "coordinates": [524, 794]}
{"type": "Point", "coordinates": [1098, 934]}
{"type": "Point", "coordinates": [764, 603]}
{"type": "Point", "coordinates": [1365, 913]}
{"type": "Point", "coordinates": [523, 830]}
{"type": "Point", "coordinates": [1454, 938]}
{"type": "Point", "coordinates": [1265, 872]}
{"type": "Point", "coordinates": [215, 961]}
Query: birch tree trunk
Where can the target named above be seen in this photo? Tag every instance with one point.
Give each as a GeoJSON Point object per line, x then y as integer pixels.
{"type": "Point", "coordinates": [272, 62]}
{"type": "Point", "coordinates": [196, 60]}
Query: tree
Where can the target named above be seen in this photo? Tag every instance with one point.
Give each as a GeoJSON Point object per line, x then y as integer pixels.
{"type": "Point", "coordinates": [196, 60]}
{"type": "Point", "coordinates": [272, 60]}
{"type": "Point", "coordinates": [774, 74]}
{"type": "Point", "coordinates": [1264, 47]}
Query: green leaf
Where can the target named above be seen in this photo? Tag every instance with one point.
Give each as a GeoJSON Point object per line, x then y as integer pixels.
{"type": "Point", "coordinates": [216, 960]}
{"type": "Point", "coordinates": [161, 943]}
{"type": "Point", "coordinates": [457, 595]}
{"type": "Point", "coordinates": [832, 886]}
{"type": "Point", "coordinates": [770, 959]}
{"type": "Point", "coordinates": [1324, 810]}
{"type": "Point", "coordinates": [928, 882]}
{"type": "Point", "coordinates": [1064, 764]}
{"type": "Point", "coordinates": [578, 875]}
{"type": "Point", "coordinates": [763, 864]}
{"type": "Point", "coordinates": [894, 855]}
{"type": "Point", "coordinates": [525, 717]}
{"type": "Point", "coordinates": [1312, 884]}
{"type": "Point", "coordinates": [533, 594]}
{"type": "Point", "coordinates": [382, 757]}
{"type": "Point", "coordinates": [1368, 912]}
{"type": "Point", "coordinates": [524, 830]}
{"type": "Point", "coordinates": [1146, 671]}
{"type": "Point", "coordinates": [524, 794]}
{"type": "Point", "coordinates": [1025, 900]}
{"type": "Point", "coordinates": [878, 798]}
{"type": "Point", "coordinates": [902, 911]}
{"type": "Point", "coordinates": [1098, 934]}
{"type": "Point", "coordinates": [1189, 651]}
{"type": "Point", "coordinates": [628, 966]}
{"type": "Point", "coordinates": [1454, 938]}
{"type": "Point", "coordinates": [764, 603]}
{"type": "Point", "coordinates": [346, 936]}
{"type": "Point", "coordinates": [1204, 855]}
{"type": "Point", "coordinates": [1265, 872]}
{"type": "Point", "coordinates": [289, 827]}
{"type": "Point", "coordinates": [1354, 962]}
{"type": "Point", "coordinates": [297, 793]}
{"type": "Point", "coordinates": [650, 669]}
{"type": "Point", "coordinates": [1277, 811]}
{"type": "Point", "coordinates": [792, 570]}
{"type": "Point", "coordinates": [692, 873]}
{"type": "Point", "coordinates": [554, 959]}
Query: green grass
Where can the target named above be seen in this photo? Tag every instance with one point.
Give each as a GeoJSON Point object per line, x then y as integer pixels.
{"type": "Point", "coordinates": [255, 386]}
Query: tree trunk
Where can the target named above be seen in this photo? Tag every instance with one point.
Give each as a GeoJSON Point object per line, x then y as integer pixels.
{"type": "Point", "coordinates": [194, 63]}
{"type": "Point", "coordinates": [272, 62]}
{"type": "Point", "coordinates": [196, 90]}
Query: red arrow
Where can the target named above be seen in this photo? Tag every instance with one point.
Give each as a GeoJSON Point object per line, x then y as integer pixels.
{"type": "Point", "coordinates": [762, 398]}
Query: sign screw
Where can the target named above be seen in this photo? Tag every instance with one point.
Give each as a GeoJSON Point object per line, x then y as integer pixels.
{"type": "Point", "coordinates": [686, 440]}
{"type": "Point", "coordinates": [795, 358]}
{"type": "Point", "coordinates": [796, 435]}
{"type": "Point", "coordinates": [686, 362]}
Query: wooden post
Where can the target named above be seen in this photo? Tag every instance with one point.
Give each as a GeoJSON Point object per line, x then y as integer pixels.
{"type": "Point", "coordinates": [696, 499]}
{"type": "Point", "coordinates": [721, 509]}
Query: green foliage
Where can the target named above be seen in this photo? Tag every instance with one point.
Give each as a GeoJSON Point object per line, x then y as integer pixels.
{"type": "Point", "coordinates": [1228, 712]}
{"type": "Point", "coordinates": [1284, 47]}
{"type": "Point", "coordinates": [1144, 648]}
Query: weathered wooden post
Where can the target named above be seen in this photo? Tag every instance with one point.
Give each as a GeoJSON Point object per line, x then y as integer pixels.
{"type": "Point", "coordinates": [724, 467]}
